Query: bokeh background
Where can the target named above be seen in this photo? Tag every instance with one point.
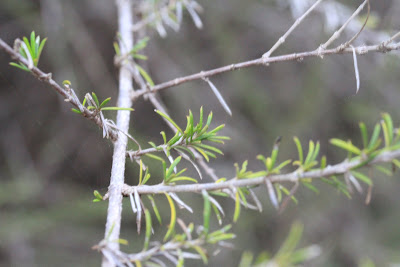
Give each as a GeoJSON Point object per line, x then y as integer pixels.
{"type": "Point", "coordinates": [51, 159]}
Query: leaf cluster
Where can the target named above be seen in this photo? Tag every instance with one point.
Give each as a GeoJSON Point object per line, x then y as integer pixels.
{"type": "Point", "coordinates": [30, 50]}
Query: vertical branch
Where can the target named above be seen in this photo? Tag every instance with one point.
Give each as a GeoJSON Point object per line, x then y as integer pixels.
{"type": "Point", "coordinates": [118, 165]}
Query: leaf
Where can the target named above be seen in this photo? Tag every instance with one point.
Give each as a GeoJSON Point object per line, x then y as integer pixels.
{"type": "Point", "coordinates": [345, 145]}
{"type": "Point", "coordinates": [203, 153]}
{"type": "Point", "coordinates": [156, 212]}
{"type": "Point", "coordinates": [142, 43]}
{"type": "Point", "coordinates": [280, 166]}
{"type": "Point", "coordinates": [375, 136]}
{"type": "Point", "coordinates": [362, 177]}
{"type": "Point", "coordinates": [185, 149]}
{"type": "Point", "coordinates": [182, 178]}
{"type": "Point", "coordinates": [310, 153]}
{"type": "Point", "coordinates": [140, 172]}
{"type": "Point", "coordinates": [105, 102]}
{"type": "Point", "coordinates": [168, 119]}
{"type": "Point", "coordinates": [117, 108]}
{"type": "Point", "coordinates": [20, 66]}
{"type": "Point", "coordinates": [202, 254]}
{"type": "Point", "coordinates": [299, 149]}
{"type": "Point", "coordinates": [237, 207]}
{"type": "Point", "coordinates": [41, 48]}
{"type": "Point", "coordinates": [97, 195]}
{"type": "Point", "coordinates": [116, 48]}
{"type": "Point", "coordinates": [145, 75]}
{"type": "Point", "coordinates": [311, 187]}
{"type": "Point", "coordinates": [146, 176]}
{"type": "Point", "coordinates": [164, 136]}
{"type": "Point", "coordinates": [364, 134]}
{"type": "Point", "coordinates": [389, 128]}
{"type": "Point", "coordinates": [155, 157]}
{"type": "Point", "coordinates": [96, 100]}
{"type": "Point", "coordinates": [76, 110]}
{"type": "Point", "coordinates": [139, 56]}
{"type": "Point", "coordinates": [216, 150]}
{"type": "Point", "coordinates": [171, 226]}
{"type": "Point", "coordinates": [206, 212]}
{"type": "Point", "coordinates": [173, 165]}
{"type": "Point", "coordinates": [148, 229]}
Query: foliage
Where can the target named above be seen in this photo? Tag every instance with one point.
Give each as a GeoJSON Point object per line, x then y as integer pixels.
{"type": "Point", "coordinates": [31, 51]}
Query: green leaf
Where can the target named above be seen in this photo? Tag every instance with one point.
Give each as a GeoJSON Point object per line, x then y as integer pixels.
{"type": "Point", "coordinates": [389, 128]}
{"type": "Point", "coordinates": [146, 176]}
{"type": "Point", "coordinates": [202, 254]}
{"type": "Point", "coordinates": [168, 119]}
{"type": "Point", "coordinates": [164, 136]}
{"type": "Point", "coordinates": [139, 56]}
{"type": "Point", "coordinates": [148, 229]}
{"type": "Point", "coordinates": [217, 213]}
{"type": "Point", "coordinates": [203, 153]}
{"type": "Point", "coordinates": [173, 165]}
{"type": "Point", "coordinates": [20, 66]}
{"type": "Point", "coordinates": [310, 153]}
{"type": "Point", "coordinates": [96, 100]}
{"type": "Point", "coordinates": [105, 102]}
{"type": "Point", "coordinates": [154, 157]}
{"type": "Point", "coordinates": [246, 259]}
{"type": "Point", "coordinates": [145, 75]}
{"type": "Point", "coordinates": [216, 150]}
{"type": "Point", "coordinates": [41, 49]}
{"type": "Point", "coordinates": [384, 170]}
{"type": "Point", "coordinates": [299, 149]}
{"type": "Point", "coordinates": [76, 110]}
{"type": "Point", "coordinates": [283, 164]}
{"type": "Point", "coordinates": [237, 207]}
{"type": "Point", "coordinates": [209, 119]}
{"type": "Point", "coordinates": [375, 136]}
{"type": "Point", "coordinates": [182, 178]}
{"type": "Point", "coordinates": [116, 48]}
{"type": "Point", "coordinates": [156, 212]}
{"type": "Point", "coordinates": [345, 145]}
{"type": "Point", "coordinates": [200, 124]}
{"type": "Point", "coordinates": [117, 108]}
{"type": "Point", "coordinates": [142, 43]}
{"type": "Point", "coordinates": [140, 172]}
{"type": "Point", "coordinates": [362, 177]}
{"type": "Point", "coordinates": [174, 139]}
{"type": "Point", "coordinates": [206, 212]}
{"type": "Point", "coordinates": [310, 186]}
{"type": "Point", "coordinates": [97, 195]}
{"type": "Point", "coordinates": [183, 149]}
{"type": "Point", "coordinates": [221, 237]}
{"type": "Point", "coordinates": [323, 162]}
{"type": "Point", "coordinates": [171, 226]}
{"type": "Point", "coordinates": [364, 134]}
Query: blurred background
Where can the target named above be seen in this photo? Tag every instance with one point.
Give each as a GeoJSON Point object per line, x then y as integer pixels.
{"type": "Point", "coordinates": [51, 159]}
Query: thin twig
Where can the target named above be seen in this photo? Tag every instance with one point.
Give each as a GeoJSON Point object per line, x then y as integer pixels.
{"type": "Point", "coordinates": [337, 169]}
{"type": "Point", "coordinates": [339, 32]}
{"type": "Point", "coordinates": [382, 48]}
{"type": "Point", "coordinates": [291, 29]}
{"type": "Point", "coordinates": [64, 92]}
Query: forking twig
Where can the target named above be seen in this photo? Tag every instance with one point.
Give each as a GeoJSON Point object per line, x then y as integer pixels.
{"type": "Point", "coordinates": [291, 29]}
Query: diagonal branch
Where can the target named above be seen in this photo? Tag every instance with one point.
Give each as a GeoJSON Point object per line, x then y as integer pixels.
{"type": "Point", "coordinates": [67, 93]}
{"type": "Point", "coordinates": [360, 50]}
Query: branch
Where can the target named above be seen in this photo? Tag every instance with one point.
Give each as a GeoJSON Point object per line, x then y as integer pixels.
{"type": "Point", "coordinates": [113, 224]}
{"type": "Point", "coordinates": [67, 93]}
{"type": "Point", "coordinates": [291, 29]}
{"type": "Point", "coordinates": [295, 176]}
{"type": "Point", "coordinates": [360, 50]}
